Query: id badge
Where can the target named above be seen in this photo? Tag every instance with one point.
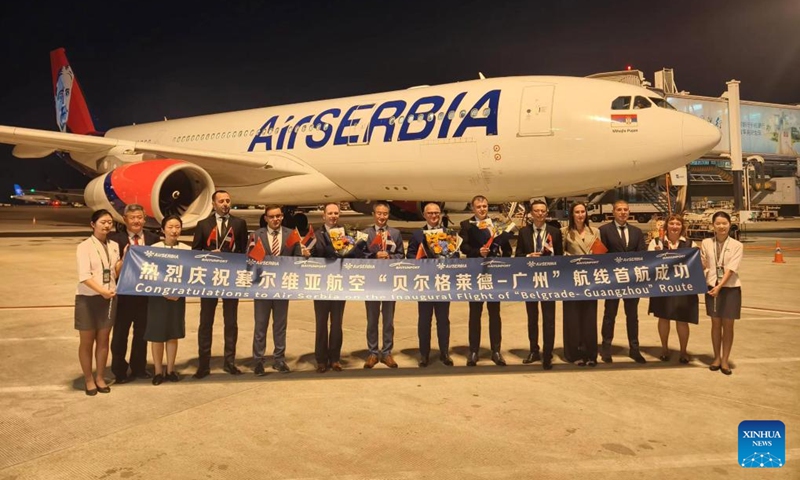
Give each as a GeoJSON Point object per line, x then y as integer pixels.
{"type": "Point", "coordinates": [720, 273]}
{"type": "Point", "coordinates": [106, 275]}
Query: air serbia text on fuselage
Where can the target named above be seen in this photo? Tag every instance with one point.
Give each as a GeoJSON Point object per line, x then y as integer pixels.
{"type": "Point", "coordinates": [416, 123]}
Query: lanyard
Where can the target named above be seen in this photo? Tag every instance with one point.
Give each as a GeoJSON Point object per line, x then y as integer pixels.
{"type": "Point", "coordinates": [105, 249]}
{"type": "Point", "coordinates": [719, 254]}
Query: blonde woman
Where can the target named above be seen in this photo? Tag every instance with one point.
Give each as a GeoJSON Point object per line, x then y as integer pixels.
{"type": "Point", "coordinates": [682, 308]}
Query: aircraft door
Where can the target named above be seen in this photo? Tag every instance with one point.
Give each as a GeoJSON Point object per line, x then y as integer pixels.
{"type": "Point", "coordinates": [536, 110]}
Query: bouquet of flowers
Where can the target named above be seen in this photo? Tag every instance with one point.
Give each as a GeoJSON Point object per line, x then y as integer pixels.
{"type": "Point", "coordinates": [344, 241]}
{"type": "Point", "coordinates": [496, 228]}
{"type": "Point", "coordinates": [444, 243]}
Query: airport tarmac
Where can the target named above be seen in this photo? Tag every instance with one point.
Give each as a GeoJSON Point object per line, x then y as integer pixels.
{"type": "Point", "coordinates": [662, 420]}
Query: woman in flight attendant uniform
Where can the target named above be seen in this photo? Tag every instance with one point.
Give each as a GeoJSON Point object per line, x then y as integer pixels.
{"type": "Point", "coordinates": [721, 256]}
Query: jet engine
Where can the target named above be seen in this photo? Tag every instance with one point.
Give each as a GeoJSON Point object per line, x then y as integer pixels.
{"type": "Point", "coordinates": [162, 187]}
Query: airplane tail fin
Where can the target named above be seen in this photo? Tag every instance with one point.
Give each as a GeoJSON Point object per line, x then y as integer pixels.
{"type": "Point", "coordinates": [71, 108]}
{"type": "Point", "coordinates": [18, 190]}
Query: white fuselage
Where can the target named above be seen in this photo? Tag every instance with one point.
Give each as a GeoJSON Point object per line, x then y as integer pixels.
{"type": "Point", "coordinates": [508, 139]}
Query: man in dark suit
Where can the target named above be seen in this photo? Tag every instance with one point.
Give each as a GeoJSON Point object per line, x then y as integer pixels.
{"type": "Point", "coordinates": [328, 349]}
{"type": "Point", "coordinates": [433, 213]}
{"type": "Point", "coordinates": [476, 235]}
{"type": "Point", "coordinates": [220, 232]}
{"type": "Point", "coordinates": [539, 240]}
{"type": "Point", "coordinates": [385, 243]}
{"type": "Point", "coordinates": [131, 309]}
{"type": "Point", "coordinates": [619, 236]}
{"type": "Point", "coordinates": [272, 241]}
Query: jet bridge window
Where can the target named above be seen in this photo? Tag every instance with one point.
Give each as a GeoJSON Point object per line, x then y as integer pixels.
{"type": "Point", "coordinates": [663, 103]}
{"type": "Point", "coordinates": [621, 103]}
{"type": "Point", "coordinates": [641, 102]}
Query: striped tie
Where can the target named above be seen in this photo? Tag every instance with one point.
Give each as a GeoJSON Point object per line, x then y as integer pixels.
{"type": "Point", "coordinates": [276, 247]}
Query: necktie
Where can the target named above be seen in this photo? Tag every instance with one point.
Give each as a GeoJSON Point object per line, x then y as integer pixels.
{"type": "Point", "coordinates": [623, 237]}
{"type": "Point", "coordinates": [538, 246]}
{"type": "Point", "coordinates": [276, 247]}
{"type": "Point", "coordinates": [136, 239]}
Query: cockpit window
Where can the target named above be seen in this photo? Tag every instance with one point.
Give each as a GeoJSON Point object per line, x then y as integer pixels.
{"type": "Point", "coordinates": [641, 102]}
{"type": "Point", "coordinates": [660, 102]}
{"type": "Point", "coordinates": [621, 103]}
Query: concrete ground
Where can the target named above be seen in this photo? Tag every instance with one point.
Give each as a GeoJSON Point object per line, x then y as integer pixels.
{"type": "Point", "coordinates": [654, 421]}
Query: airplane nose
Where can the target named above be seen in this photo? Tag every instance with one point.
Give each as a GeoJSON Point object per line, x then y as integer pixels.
{"type": "Point", "coordinates": [698, 136]}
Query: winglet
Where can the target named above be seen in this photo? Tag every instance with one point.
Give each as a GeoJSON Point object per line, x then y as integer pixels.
{"type": "Point", "coordinates": [71, 108]}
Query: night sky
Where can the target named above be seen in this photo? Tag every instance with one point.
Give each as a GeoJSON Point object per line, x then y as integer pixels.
{"type": "Point", "coordinates": [145, 61]}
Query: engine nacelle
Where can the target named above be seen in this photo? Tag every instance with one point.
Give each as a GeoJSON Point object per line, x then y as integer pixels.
{"type": "Point", "coordinates": [162, 187]}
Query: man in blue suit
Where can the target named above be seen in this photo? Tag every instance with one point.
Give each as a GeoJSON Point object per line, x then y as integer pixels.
{"type": "Point", "coordinates": [385, 243]}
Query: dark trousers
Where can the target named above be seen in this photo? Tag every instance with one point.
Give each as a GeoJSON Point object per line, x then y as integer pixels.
{"type": "Point", "coordinates": [328, 349]}
{"type": "Point", "coordinates": [374, 311]}
{"type": "Point", "coordinates": [580, 330]}
{"type": "Point", "coordinates": [631, 321]}
{"type": "Point", "coordinates": [208, 308]}
{"type": "Point", "coordinates": [131, 310]}
{"type": "Point", "coordinates": [262, 310]}
{"type": "Point", "coordinates": [548, 327]}
{"type": "Point", "coordinates": [495, 325]}
{"type": "Point", "coordinates": [426, 311]}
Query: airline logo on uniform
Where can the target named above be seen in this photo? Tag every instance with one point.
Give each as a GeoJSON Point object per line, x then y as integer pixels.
{"type": "Point", "coordinates": [624, 120]}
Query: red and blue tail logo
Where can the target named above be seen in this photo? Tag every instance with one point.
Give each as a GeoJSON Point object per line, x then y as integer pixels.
{"type": "Point", "coordinates": [71, 109]}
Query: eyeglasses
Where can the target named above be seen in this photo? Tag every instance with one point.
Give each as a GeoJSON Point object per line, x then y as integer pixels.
{"type": "Point", "coordinates": [433, 213]}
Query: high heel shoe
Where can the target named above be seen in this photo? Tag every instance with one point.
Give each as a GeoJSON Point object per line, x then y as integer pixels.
{"type": "Point", "coordinates": [105, 389]}
{"type": "Point", "coordinates": [91, 392]}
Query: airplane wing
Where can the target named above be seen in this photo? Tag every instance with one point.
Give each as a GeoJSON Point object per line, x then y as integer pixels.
{"type": "Point", "coordinates": [33, 143]}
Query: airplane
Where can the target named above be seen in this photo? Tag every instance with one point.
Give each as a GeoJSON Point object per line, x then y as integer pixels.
{"type": "Point", "coordinates": [507, 138]}
{"type": "Point", "coordinates": [31, 197]}
{"type": "Point", "coordinates": [42, 197]}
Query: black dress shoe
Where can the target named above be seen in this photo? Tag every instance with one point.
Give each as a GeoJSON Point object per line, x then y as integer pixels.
{"type": "Point", "coordinates": [446, 360]}
{"type": "Point", "coordinates": [232, 369]}
{"type": "Point", "coordinates": [121, 380]}
{"type": "Point", "coordinates": [547, 364]}
{"type": "Point", "coordinates": [713, 368]}
{"type": "Point", "coordinates": [472, 359]}
{"type": "Point", "coordinates": [532, 357]}
{"type": "Point", "coordinates": [605, 354]}
{"type": "Point", "coordinates": [259, 370]}
{"type": "Point", "coordinates": [726, 371]}
{"type": "Point", "coordinates": [281, 367]}
{"type": "Point", "coordinates": [142, 375]}
{"type": "Point", "coordinates": [91, 392]}
{"type": "Point", "coordinates": [203, 373]}
{"type": "Point", "coordinates": [637, 357]}
{"type": "Point", "coordinates": [173, 377]}
{"type": "Point", "coordinates": [423, 361]}
{"type": "Point", "coordinates": [498, 359]}
{"type": "Point", "coordinates": [158, 379]}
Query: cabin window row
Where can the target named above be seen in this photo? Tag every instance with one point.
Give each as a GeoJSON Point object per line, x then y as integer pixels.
{"type": "Point", "coordinates": [430, 117]}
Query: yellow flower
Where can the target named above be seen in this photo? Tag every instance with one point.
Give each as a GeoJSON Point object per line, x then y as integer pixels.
{"type": "Point", "coordinates": [338, 244]}
{"type": "Point", "coordinates": [441, 236]}
{"type": "Point", "coordinates": [437, 249]}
